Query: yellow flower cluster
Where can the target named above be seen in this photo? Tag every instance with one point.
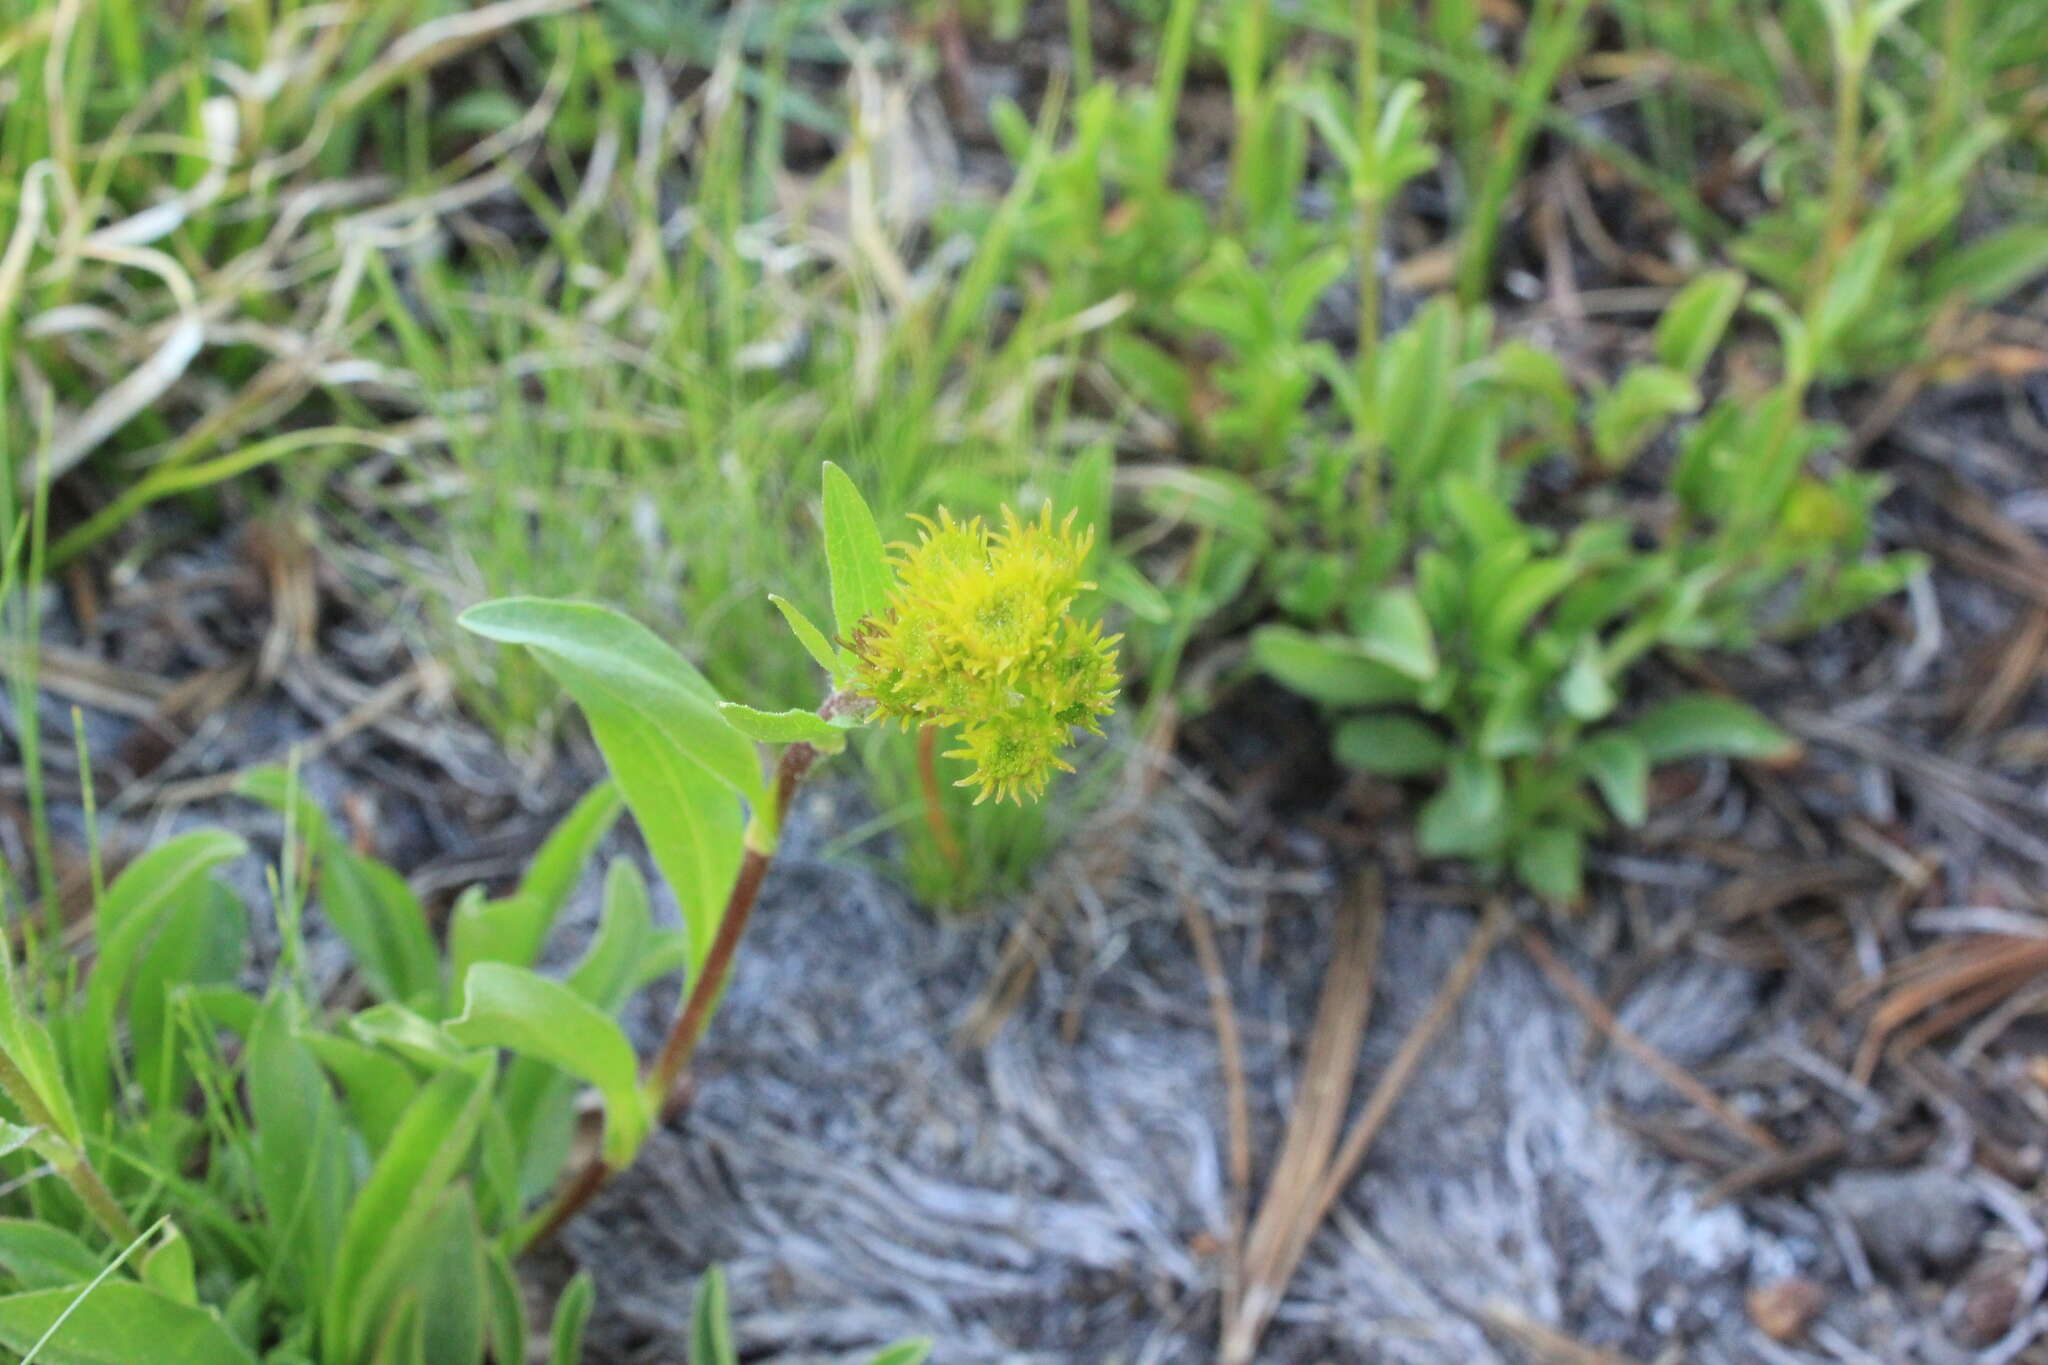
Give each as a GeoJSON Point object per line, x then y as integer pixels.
{"type": "Point", "coordinates": [979, 636]}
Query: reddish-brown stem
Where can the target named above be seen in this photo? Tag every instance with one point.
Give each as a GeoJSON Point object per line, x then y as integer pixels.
{"type": "Point", "coordinates": [935, 817]}
{"type": "Point", "coordinates": [683, 1035]}
{"type": "Point", "coordinates": [666, 1075]}
{"type": "Point", "coordinates": [568, 1202]}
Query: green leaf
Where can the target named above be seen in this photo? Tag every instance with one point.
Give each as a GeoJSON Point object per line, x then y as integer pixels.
{"type": "Point", "coordinates": [400, 1338]}
{"type": "Point", "coordinates": [507, 1310]}
{"type": "Point", "coordinates": [243, 1313]}
{"type": "Point", "coordinates": [809, 636]}
{"type": "Point", "coordinates": [297, 1147]}
{"type": "Point", "coordinates": [784, 727]}
{"type": "Point", "coordinates": [1124, 585]}
{"type": "Point", "coordinates": [1584, 690]}
{"type": "Point", "coordinates": [1155, 378]}
{"type": "Point", "coordinates": [1620, 767]}
{"type": "Point", "coordinates": [1412, 391]}
{"type": "Point", "coordinates": [156, 880]}
{"type": "Point", "coordinates": [1320, 102]}
{"type": "Point", "coordinates": [375, 1086]}
{"type": "Point", "coordinates": [1222, 502]}
{"type": "Point", "coordinates": [28, 1045]}
{"type": "Point", "coordinates": [117, 1322]}
{"type": "Point", "coordinates": [515, 928]}
{"type": "Point", "coordinates": [552, 875]}
{"type": "Point", "coordinates": [1694, 321]}
{"type": "Point", "coordinates": [14, 1137]}
{"type": "Point", "coordinates": [413, 1036]}
{"type": "Point", "coordinates": [1468, 815]}
{"type": "Point", "coordinates": [43, 1256]}
{"type": "Point", "coordinates": [1391, 744]}
{"type": "Point", "coordinates": [501, 1195]}
{"type": "Point", "coordinates": [1540, 376]}
{"type": "Point", "coordinates": [1506, 612]}
{"type": "Point", "coordinates": [913, 1352]}
{"type": "Point", "coordinates": [1482, 514]}
{"type": "Point", "coordinates": [711, 1324]}
{"type": "Point", "coordinates": [593, 648]}
{"type": "Point", "coordinates": [201, 945]}
{"type": "Point", "coordinates": [1331, 669]}
{"type": "Point", "coordinates": [1706, 723]}
{"type": "Point", "coordinates": [167, 1267]}
{"type": "Point", "coordinates": [164, 885]}
{"type": "Point", "coordinates": [1550, 861]}
{"type": "Point", "coordinates": [572, 1312]}
{"type": "Point", "coordinates": [397, 1204]}
{"type": "Point", "coordinates": [1851, 286]}
{"type": "Point", "coordinates": [1392, 629]}
{"type": "Point", "coordinates": [512, 1008]}
{"type": "Point", "coordinates": [373, 908]}
{"type": "Point", "coordinates": [854, 554]}
{"type": "Point", "coordinates": [453, 1284]}
{"type": "Point", "coordinates": [657, 722]}
{"type": "Point", "coordinates": [1087, 490]}
{"type": "Point", "coordinates": [1511, 725]}
{"type": "Point", "coordinates": [1626, 417]}
{"type": "Point", "coordinates": [368, 903]}
{"type": "Point", "coordinates": [627, 951]}
{"type": "Point", "coordinates": [1989, 270]}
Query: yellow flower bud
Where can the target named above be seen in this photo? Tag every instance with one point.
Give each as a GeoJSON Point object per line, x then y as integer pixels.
{"type": "Point", "coordinates": [979, 635]}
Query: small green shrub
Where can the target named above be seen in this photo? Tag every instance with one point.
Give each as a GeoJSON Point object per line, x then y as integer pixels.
{"type": "Point", "coordinates": [1462, 642]}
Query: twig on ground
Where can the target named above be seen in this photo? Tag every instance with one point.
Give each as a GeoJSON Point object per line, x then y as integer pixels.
{"type": "Point", "coordinates": [1230, 1057]}
{"type": "Point", "coordinates": [1265, 1265]}
{"type": "Point", "coordinates": [1544, 1344]}
{"type": "Point", "coordinates": [1671, 1073]}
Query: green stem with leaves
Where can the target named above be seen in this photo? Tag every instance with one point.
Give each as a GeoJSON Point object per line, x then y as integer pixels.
{"type": "Point", "coordinates": [70, 1162]}
{"type": "Point", "coordinates": [666, 1080]}
{"type": "Point", "coordinates": [1371, 207]}
{"type": "Point", "coordinates": [1842, 174]}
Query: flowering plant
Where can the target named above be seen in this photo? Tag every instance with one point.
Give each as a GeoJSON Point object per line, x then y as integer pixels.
{"type": "Point", "coordinates": [970, 628]}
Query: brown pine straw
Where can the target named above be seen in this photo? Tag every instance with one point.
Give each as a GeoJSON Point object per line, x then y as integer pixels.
{"type": "Point", "coordinates": [1230, 1055]}
{"type": "Point", "coordinates": [1307, 1179]}
{"type": "Point", "coordinates": [1950, 984]}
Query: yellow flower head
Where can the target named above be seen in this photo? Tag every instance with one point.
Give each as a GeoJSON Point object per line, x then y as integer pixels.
{"type": "Point", "coordinates": [979, 635]}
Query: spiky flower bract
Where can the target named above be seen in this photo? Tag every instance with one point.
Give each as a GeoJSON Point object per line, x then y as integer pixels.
{"type": "Point", "coordinates": [979, 636]}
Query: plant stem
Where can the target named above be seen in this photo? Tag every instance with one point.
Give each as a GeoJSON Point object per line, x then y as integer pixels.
{"type": "Point", "coordinates": [72, 1164]}
{"type": "Point", "coordinates": [1080, 44]}
{"type": "Point", "coordinates": [666, 1077]}
{"type": "Point", "coordinates": [1842, 174]}
{"type": "Point", "coordinates": [1370, 208]}
{"type": "Point", "coordinates": [1371, 212]}
{"type": "Point", "coordinates": [935, 817]}
{"type": "Point", "coordinates": [1550, 39]}
{"type": "Point", "coordinates": [1174, 48]}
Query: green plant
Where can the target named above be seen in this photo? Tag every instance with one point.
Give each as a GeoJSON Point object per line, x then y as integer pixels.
{"type": "Point", "coordinates": [1461, 641]}
{"type": "Point", "coordinates": [202, 1173]}
{"type": "Point", "coordinates": [1884, 136]}
{"type": "Point", "coordinates": [274, 1182]}
{"type": "Point", "coordinates": [968, 629]}
{"type": "Point", "coordinates": [244, 1176]}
